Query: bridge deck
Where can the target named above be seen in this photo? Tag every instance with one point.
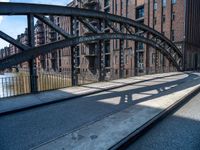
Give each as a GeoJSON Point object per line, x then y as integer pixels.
{"type": "Point", "coordinates": [180, 130]}
{"type": "Point", "coordinates": [23, 102]}
{"type": "Point", "coordinates": [96, 121]}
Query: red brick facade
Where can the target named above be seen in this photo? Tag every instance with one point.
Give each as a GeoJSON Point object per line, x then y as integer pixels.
{"type": "Point", "coordinates": [176, 19]}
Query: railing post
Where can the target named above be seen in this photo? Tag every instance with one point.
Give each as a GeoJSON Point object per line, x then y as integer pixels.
{"type": "Point", "coordinates": [32, 63]}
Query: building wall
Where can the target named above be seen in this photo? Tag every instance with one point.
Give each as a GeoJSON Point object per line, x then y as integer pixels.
{"type": "Point", "coordinates": [179, 22]}
{"type": "Point", "coordinates": [192, 32]}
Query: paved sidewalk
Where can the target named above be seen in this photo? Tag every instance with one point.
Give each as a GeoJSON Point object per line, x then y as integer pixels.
{"type": "Point", "coordinates": [14, 104]}
{"type": "Point", "coordinates": [109, 131]}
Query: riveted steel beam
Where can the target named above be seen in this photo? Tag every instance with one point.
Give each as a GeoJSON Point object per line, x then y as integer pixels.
{"type": "Point", "coordinates": [38, 10]}
{"type": "Point", "coordinates": [36, 51]}
{"type": "Point", "coordinates": [114, 28]}
{"type": "Point", "coordinates": [53, 26]}
{"type": "Point", "coordinates": [13, 41]}
{"type": "Point", "coordinates": [88, 25]}
{"type": "Point", "coordinates": [32, 61]}
{"type": "Point", "coordinates": [129, 29]}
{"type": "Point", "coordinates": [24, 9]}
{"type": "Point", "coordinates": [74, 71]}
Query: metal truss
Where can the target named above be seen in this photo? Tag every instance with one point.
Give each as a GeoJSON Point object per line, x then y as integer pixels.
{"type": "Point", "coordinates": [119, 28]}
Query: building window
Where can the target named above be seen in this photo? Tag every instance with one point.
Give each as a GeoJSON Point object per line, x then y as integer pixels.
{"type": "Point", "coordinates": [154, 20]}
{"type": "Point", "coordinates": [126, 59]}
{"type": "Point", "coordinates": [122, 6]}
{"type": "Point", "coordinates": [163, 19]}
{"type": "Point", "coordinates": [173, 16]}
{"type": "Point", "coordinates": [164, 3]}
{"type": "Point", "coordinates": [127, 6]}
{"type": "Point", "coordinates": [116, 60]}
{"type": "Point", "coordinates": [116, 44]}
{"type": "Point", "coordinates": [139, 46]}
{"type": "Point", "coordinates": [155, 7]}
{"type": "Point", "coordinates": [172, 35]}
{"type": "Point", "coordinates": [116, 71]}
{"type": "Point", "coordinates": [153, 58]}
{"type": "Point", "coordinates": [127, 43]}
{"type": "Point", "coordinates": [116, 7]}
{"type": "Point", "coordinates": [107, 61]}
{"type": "Point", "coordinates": [107, 10]}
{"type": "Point", "coordinates": [140, 12]}
{"type": "Point", "coordinates": [107, 47]}
{"type": "Point", "coordinates": [126, 71]}
{"type": "Point", "coordinates": [106, 3]}
{"type": "Point", "coordinates": [173, 2]}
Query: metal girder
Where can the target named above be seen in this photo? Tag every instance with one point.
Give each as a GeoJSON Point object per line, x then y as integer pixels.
{"type": "Point", "coordinates": [74, 75]}
{"type": "Point", "coordinates": [121, 57]}
{"type": "Point", "coordinates": [13, 41]}
{"type": "Point", "coordinates": [82, 14]}
{"type": "Point", "coordinates": [128, 28]}
{"type": "Point", "coordinates": [36, 51]}
{"type": "Point", "coordinates": [88, 25]}
{"type": "Point", "coordinates": [53, 26]}
{"type": "Point", "coordinates": [24, 9]}
{"type": "Point", "coordinates": [32, 61]}
{"type": "Point", "coordinates": [113, 27]}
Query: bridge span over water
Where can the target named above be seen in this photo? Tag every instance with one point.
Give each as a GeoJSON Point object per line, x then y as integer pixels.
{"type": "Point", "coordinates": [121, 28]}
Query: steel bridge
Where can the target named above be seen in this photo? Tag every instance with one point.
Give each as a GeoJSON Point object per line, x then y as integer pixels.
{"type": "Point", "coordinates": [122, 28]}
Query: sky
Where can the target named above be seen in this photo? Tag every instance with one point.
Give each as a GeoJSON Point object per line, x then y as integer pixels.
{"type": "Point", "coordinates": [15, 25]}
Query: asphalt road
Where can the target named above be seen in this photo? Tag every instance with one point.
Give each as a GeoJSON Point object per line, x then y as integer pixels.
{"type": "Point", "coordinates": [27, 129]}
{"type": "Point", "coordinates": [179, 131]}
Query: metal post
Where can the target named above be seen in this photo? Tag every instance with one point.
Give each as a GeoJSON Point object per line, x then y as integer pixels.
{"type": "Point", "coordinates": [135, 60]}
{"type": "Point", "coordinates": [156, 61]}
{"type": "Point", "coordinates": [101, 46]}
{"type": "Point", "coordinates": [121, 57]}
{"type": "Point", "coordinates": [32, 63]}
{"type": "Point", "coordinates": [102, 60]}
{"type": "Point", "coordinates": [74, 76]}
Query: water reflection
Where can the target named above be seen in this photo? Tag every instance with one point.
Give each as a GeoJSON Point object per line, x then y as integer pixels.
{"type": "Point", "coordinates": [12, 84]}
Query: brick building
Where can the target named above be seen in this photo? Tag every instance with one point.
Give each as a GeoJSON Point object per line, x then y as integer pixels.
{"type": "Point", "coordinates": [176, 19]}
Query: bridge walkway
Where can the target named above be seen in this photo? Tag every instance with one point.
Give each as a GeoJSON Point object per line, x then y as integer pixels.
{"type": "Point", "coordinates": [106, 114]}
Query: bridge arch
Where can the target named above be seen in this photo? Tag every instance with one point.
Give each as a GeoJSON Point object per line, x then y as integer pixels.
{"type": "Point", "coordinates": [134, 31]}
{"type": "Point", "coordinates": [37, 51]}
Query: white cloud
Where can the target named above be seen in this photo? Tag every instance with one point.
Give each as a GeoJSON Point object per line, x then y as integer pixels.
{"type": "Point", "coordinates": [1, 17]}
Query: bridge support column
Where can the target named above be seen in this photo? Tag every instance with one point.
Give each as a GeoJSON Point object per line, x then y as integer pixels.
{"type": "Point", "coordinates": [74, 76]}
{"type": "Point", "coordinates": [32, 63]}
{"type": "Point", "coordinates": [101, 48]}
{"type": "Point", "coordinates": [121, 56]}
{"type": "Point", "coordinates": [102, 60]}
{"type": "Point", "coordinates": [121, 59]}
{"type": "Point", "coordinates": [156, 61]}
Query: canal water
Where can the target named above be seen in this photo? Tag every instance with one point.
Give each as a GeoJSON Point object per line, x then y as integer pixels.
{"type": "Point", "coordinates": [5, 83]}
{"type": "Point", "coordinates": [12, 84]}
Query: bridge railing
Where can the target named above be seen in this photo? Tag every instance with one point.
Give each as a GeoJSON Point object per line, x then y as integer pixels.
{"type": "Point", "coordinates": [19, 84]}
